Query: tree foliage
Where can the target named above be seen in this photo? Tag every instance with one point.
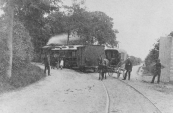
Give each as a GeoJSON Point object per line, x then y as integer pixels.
{"type": "Point", "coordinates": [153, 55]}
{"type": "Point", "coordinates": [91, 27]}
{"type": "Point", "coordinates": [22, 46]}
{"type": "Point", "coordinates": [135, 60]}
{"type": "Point", "coordinates": [31, 14]}
{"type": "Point", "coordinates": [3, 54]}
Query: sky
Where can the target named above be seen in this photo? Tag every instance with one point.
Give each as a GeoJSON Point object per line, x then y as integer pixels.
{"type": "Point", "coordinates": [139, 22]}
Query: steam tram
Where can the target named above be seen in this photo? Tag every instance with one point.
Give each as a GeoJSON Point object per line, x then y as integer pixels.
{"type": "Point", "coordinates": [86, 57]}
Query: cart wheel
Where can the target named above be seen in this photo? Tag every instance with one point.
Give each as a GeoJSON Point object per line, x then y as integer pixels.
{"type": "Point", "coordinates": [110, 73]}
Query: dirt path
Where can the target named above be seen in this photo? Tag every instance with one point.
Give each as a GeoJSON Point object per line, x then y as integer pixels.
{"type": "Point", "coordinates": [161, 95]}
{"type": "Point", "coordinates": [67, 91]}
{"type": "Point", "coordinates": [125, 100]}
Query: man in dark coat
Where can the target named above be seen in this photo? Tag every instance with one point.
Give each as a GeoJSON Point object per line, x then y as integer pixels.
{"type": "Point", "coordinates": [128, 68]}
{"type": "Point", "coordinates": [47, 63]}
{"type": "Point", "coordinates": [100, 68]}
{"type": "Point", "coordinates": [157, 70]}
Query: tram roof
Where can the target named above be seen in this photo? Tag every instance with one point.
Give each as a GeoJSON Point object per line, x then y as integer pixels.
{"type": "Point", "coordinates": [47, 46]}
{"type": "Point", "coordinates": [69, 47]}
{"type": "Point", "coordinates": [74, 47]}
{"type": "Point", "coordinates": [122, 51]}
{"type": "Point", "coordinates": [117, 49]}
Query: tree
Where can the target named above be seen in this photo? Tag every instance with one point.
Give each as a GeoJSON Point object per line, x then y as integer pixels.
{"type": "Point", "coordinates": [3, 48]}
{"type": "Point", "coordinates": [153, 54]}
{"type": "Point", "coordinates": [135, 60]}
{"type": "Point", "coordinates": [22, 46]}
{"type": "Point", "coordinates": [10, 15]}
{"type": "Point", "coordinates": [91, 27]}
{"type": "Point", "coordinates": [171, 34]}
{"type": "Point", "coordinates": [21, 9]}
{"type": "Point", "coordinates": [31, 14]}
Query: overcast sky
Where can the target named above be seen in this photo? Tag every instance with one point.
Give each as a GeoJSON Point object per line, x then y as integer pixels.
{"type": "Point", "coordinates": [139, 22]}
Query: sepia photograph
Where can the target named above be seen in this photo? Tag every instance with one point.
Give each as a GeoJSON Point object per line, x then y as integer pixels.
{"type": "Point", "coordinates": [86, 56]}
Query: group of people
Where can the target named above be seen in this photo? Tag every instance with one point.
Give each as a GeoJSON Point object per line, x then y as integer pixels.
{"type": "Point", "coordinates": [103, 65]}
{"type": "Point", "coordinates": [47, 63]}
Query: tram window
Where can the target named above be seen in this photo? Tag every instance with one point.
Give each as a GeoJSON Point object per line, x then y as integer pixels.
{"type": "Point", "coordinates": [70, 54]}
{"type": "Point", "coordinates": [108, 55]}
{"type": "Point", "coordinates": [113, 54]}
{"type": "Point", "coordinates": [73, 54]}
{"type": "Point", "coordinates": [71, 46]}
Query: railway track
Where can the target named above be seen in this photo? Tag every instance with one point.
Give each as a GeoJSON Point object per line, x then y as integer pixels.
{"type": "Point", "coordinates": [115, 104]}
{"type": "Point", "coordinates": [107, 109]}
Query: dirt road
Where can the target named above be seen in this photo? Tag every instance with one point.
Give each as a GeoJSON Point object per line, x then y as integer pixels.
{"type": "Point", "coordinates": [67, 91]}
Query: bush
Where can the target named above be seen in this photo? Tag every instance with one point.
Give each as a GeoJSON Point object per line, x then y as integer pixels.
{"type": "Point", "coordinates": [22, 46]}
{"type": "Point", "coordinates": [152, 57]}
{"type": "Point", "coordinates": [26, 75]}
{"type": "Point", "coordinates": [23, 72]}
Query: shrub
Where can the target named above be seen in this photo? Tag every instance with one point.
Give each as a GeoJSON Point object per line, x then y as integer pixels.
{"type": "Point", "coordinates": [22, 46]}
{"type": "Point", "coordinates": [26, 76]}
{"type": "Point", "coordinates": [23, 72]}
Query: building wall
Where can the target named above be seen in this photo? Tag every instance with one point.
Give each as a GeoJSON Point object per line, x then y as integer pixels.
{"type": "Point", "coordinates": [171, 60]}
{"type": "Point", "coordinates": [166, 57]}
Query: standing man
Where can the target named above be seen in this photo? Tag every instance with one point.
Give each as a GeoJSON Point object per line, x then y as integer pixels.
{"type": "Point", "coordinates": [128, 67]}
{"type": "Point", "coordinates": [100, 67]}
{"type": "Point", "coordinates": [47, 63]}
{"type": "Point", "coordinates": [105, 67]}
{"type": "Point", "coordinates": [157, 70]}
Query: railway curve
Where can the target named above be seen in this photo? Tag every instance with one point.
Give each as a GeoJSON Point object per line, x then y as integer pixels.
{"type": "Point", "coordinates": [123, 98]}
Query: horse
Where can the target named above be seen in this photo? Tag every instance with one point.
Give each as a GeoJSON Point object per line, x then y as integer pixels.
{"type": "Point", "coordinates": [102, 68]}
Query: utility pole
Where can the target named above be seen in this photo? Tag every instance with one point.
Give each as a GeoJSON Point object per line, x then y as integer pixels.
{"type": "Point", "coordinates": [68, 37]}
{"type": "Point", "coordinates": [10, 37]}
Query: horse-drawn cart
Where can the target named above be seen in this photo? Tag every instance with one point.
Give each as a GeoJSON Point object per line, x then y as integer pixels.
{"type": "Point", "coordinates": [116, 59]}
{"type": "Point", "coordinates": [115, 69]}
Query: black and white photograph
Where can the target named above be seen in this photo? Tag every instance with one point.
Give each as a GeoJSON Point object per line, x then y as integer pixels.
{"type": "Point", "coordinates": [86, 56]}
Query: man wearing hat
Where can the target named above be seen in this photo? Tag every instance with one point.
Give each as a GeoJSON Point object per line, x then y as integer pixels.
{"type": "Point", "coordinates": [128, 68]}
{"type": "Point", "coordinates": [157, 70]}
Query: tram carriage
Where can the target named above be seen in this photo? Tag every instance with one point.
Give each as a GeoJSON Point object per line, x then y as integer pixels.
{"type": "Point", "coordinates": [115, 57]}
{"type": "Point", "coordinates": [87, 57]}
